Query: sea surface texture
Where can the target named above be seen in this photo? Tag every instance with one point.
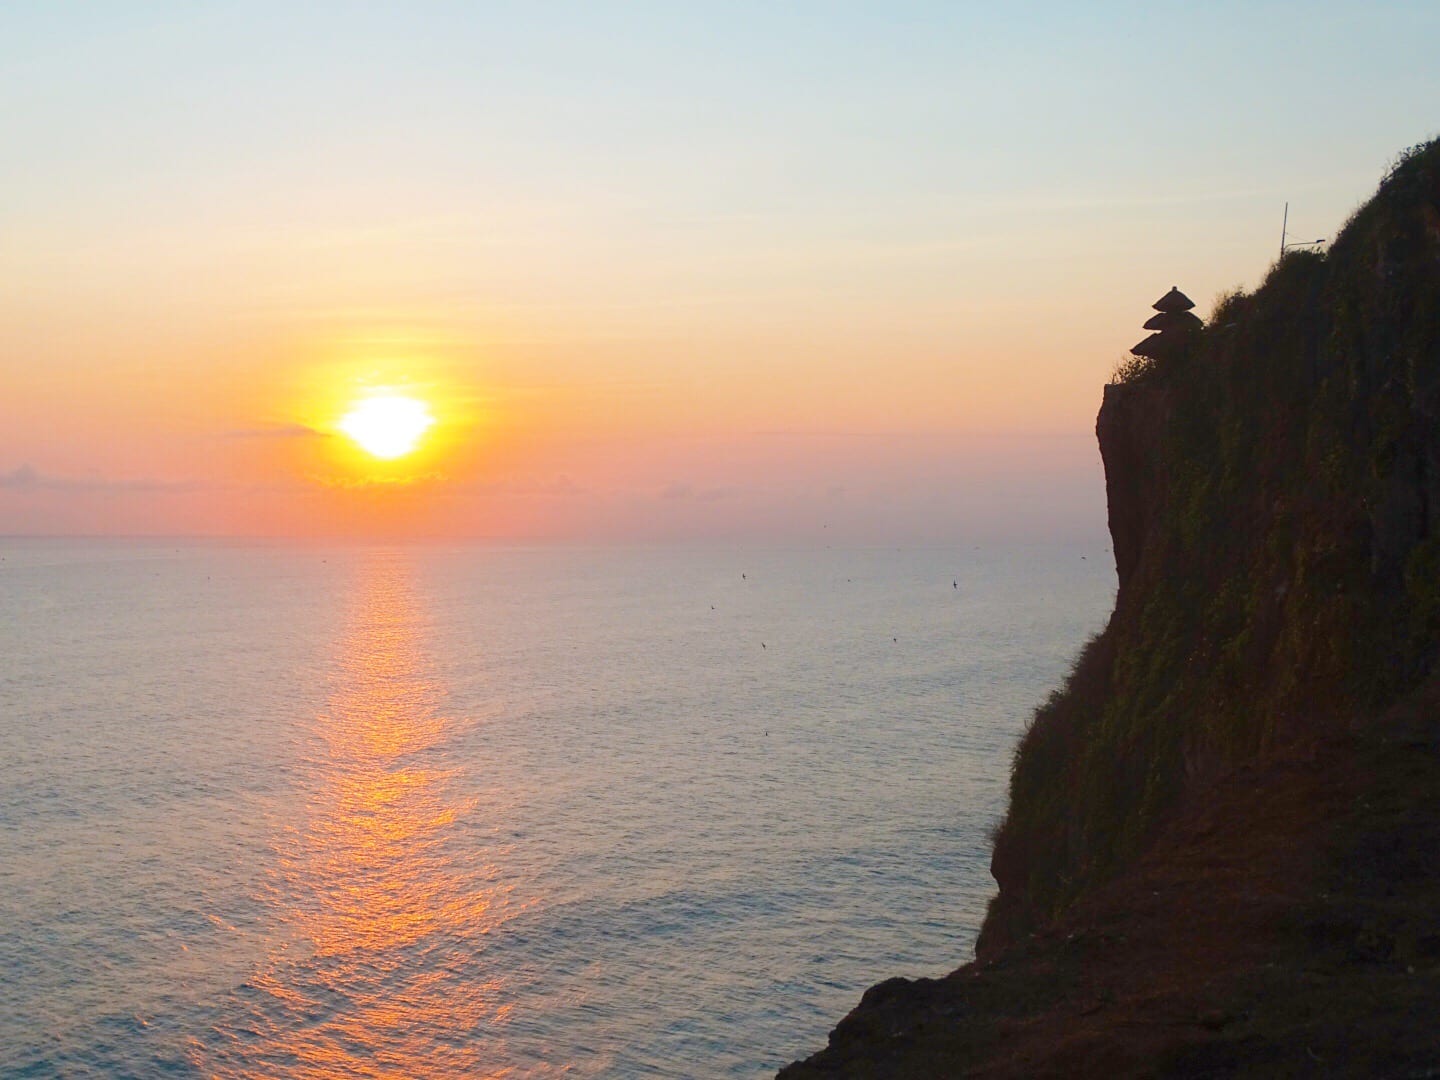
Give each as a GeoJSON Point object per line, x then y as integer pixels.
{"type": "Point", "coordinates": [445, 812]}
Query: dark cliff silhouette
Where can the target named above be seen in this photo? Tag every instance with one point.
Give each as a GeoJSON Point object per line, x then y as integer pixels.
{"type": "Point", "coordinates": [1222, 851]}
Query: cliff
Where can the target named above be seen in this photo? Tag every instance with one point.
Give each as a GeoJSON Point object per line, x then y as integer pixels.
{"type": "Point", "coordinates": [1222, 851]}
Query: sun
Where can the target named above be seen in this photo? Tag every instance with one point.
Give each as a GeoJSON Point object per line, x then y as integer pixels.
{"type": "Point", "coordinates": [387, 426]}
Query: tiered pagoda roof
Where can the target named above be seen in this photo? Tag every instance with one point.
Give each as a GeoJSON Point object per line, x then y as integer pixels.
{"type": "Point", "coordinates": [1174, 326]}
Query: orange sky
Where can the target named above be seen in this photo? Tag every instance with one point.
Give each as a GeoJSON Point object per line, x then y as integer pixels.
{"type": "Point", "coordinates": [739, 276]}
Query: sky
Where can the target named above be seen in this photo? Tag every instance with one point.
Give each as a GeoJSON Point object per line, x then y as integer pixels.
{"type": "Point", "coordinates": [732, 272]}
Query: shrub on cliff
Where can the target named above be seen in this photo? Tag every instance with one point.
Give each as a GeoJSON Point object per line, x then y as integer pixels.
{"type": "Point", "coordinates": [1129, 369]}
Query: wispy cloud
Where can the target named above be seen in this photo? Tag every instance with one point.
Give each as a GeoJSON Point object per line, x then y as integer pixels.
{"type": "Point", "coordinates": [21, 479]}
{"type": "Point", "coordinates": [375, 483]}
{"type": "Point", "coordinates": [277, 431]}
{"type": "Point", "coordinates": [28, 478]}
{"type": "Point", "coordinates": [561, 485]}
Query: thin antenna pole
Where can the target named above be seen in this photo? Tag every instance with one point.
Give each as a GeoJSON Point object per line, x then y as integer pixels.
{"type": "Point", "coordinates": [1284, 222]}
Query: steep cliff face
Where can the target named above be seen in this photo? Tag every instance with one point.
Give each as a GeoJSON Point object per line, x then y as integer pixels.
{"type": "Point", "coordinates": [1274, 500]}
{"type": "Point", "coordinates": [1130, 428]}
{"type": "Point", "coordinates": [1255, 736]}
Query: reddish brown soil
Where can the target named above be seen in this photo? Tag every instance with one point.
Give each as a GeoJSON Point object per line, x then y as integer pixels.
{"type": "Point", "coordinates": [1289, 925]}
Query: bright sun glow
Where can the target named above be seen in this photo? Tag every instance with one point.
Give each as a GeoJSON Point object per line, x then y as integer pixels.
{"type": "Point", "coordinates": [388, 425]}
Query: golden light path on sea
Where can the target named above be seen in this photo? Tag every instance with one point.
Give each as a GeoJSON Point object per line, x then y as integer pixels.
{"type": "Point", "coordinates": [378, 913]}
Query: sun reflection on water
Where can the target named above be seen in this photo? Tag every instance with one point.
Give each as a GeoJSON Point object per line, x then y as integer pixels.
{"type": "Point", "coordinates": [383, 912]}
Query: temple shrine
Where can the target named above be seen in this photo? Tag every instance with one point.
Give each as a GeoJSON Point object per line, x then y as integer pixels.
{"type": "Point", "coordinates": [1174, 327]}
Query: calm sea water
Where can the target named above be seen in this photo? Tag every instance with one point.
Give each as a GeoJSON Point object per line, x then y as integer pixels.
{"type": "Point", "coordinates": [428, 812]}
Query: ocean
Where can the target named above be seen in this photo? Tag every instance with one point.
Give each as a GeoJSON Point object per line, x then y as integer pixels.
{"type": "Point", "coordinates": [437, 811]}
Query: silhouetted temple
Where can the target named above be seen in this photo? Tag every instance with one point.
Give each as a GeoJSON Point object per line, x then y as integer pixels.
{"type": "Point", "coordinates": [1173, 328]}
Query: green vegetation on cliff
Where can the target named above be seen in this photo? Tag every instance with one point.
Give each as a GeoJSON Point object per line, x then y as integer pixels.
{"type": "Point", "coordinates": [1275, 506]}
